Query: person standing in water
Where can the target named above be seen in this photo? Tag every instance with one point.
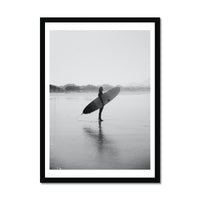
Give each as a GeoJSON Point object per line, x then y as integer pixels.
{"type": "Point", "coordinates": [100, 97]}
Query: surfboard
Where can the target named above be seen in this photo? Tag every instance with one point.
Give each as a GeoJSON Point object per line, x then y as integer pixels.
{"type": "Point", "coordinates": [106, 97]}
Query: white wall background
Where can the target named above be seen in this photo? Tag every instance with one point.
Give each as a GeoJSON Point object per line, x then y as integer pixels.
{"type": "Point", "coordinates": [19, 99]}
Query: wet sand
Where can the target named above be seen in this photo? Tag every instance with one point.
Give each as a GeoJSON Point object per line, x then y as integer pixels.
{"type": "Point", "coordinates": [121, 141]}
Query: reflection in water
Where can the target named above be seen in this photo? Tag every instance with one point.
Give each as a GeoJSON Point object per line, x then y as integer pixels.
{"type": "Point", "coordinates": [103, 144]}
{"type": "Point", "coordinates": [101, 138]}
{"type": "Point", "coordinates": [120, 142]}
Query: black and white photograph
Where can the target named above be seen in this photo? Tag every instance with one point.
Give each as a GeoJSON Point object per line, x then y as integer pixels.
{"type": "Point", "coordinates": [99, 88]}
{"type": "Point", "coordinates": [99, 100]}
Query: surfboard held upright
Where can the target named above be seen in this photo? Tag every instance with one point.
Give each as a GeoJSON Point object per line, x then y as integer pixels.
{"type": "Point", "coordinates": [97, 104]}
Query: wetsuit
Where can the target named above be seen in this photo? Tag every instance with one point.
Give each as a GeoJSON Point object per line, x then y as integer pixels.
{"type": "Point", "coordinates": [101, 109]}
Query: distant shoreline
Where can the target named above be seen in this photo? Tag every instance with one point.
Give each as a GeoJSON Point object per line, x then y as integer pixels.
{"type": "Point", "coordinates": [92, 88]}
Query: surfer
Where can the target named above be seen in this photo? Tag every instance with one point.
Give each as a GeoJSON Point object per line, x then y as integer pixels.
{"type": "Point", "coordinates": [100, 97]}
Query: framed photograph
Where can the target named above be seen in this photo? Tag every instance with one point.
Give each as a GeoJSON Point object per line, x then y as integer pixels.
{"type": "Point", "coordinates": [100, 100]}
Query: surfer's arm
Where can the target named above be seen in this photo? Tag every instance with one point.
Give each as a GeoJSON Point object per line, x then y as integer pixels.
{"type": "Point", "coordinates": [100, 97]}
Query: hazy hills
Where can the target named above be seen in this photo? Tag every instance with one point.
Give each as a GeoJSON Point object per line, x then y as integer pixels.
{"type": "Point", "coordinates": [94, 88]}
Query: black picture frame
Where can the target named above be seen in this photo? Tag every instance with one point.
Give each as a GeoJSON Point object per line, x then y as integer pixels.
{"type": "Point", "coordinates": [43, 178]}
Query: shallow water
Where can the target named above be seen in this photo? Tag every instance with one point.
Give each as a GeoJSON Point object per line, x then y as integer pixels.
{"type": "Point", "coordinates": [121, 141]}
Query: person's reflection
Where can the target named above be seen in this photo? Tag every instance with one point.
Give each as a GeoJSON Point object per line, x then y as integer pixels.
{"type": "Point", "coordinates": [101, 138]}
{"type": "Point", "coordinates": [98, 136]}
{"type": "Point", "coordinates": [105, 147]}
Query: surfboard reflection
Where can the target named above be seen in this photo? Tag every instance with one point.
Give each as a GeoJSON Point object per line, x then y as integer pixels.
{"type": "Point", "coordinates": [104, 145]}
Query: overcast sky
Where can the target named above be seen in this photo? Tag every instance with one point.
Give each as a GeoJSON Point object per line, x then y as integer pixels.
{"type": "Point", "coordinates": [99, 57]}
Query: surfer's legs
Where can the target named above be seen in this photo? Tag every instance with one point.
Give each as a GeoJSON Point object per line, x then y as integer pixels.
{"type": "Point", "coordinates": [100, 111]}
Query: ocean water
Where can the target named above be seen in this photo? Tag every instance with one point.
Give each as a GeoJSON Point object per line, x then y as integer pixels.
{"type": "Point", "coordinates": [121, 141]}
